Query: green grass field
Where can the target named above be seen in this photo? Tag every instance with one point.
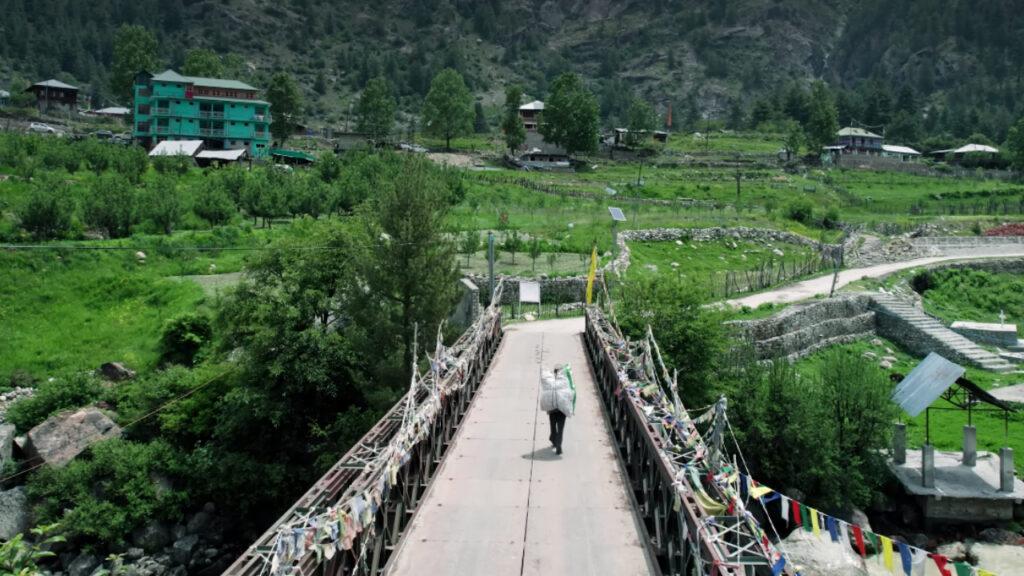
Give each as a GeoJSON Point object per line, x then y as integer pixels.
{"type": "Point", "coordinates": [975, 295]}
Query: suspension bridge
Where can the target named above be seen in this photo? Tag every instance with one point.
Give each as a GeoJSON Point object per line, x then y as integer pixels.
{"type": "Point", "coordinates": [459, 477]}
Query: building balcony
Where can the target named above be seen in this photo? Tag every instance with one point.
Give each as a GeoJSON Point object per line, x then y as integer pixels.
{"type": "Point", "coordinates": [163, 130]}
{"type": "Point", "coordinates": [145, 92]}
{"type": "Point", "coordinates": [211, 114]}
{"type": "Point", "coordinates": [161, 111]}
{"type": "Point", "coordinates": [212, 132]}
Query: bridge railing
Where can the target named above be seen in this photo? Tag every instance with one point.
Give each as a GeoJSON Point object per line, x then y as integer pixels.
{"type": "Point", "coordinates": [351, 520]}
{"type": "Point", "coordinates": [665, 457]}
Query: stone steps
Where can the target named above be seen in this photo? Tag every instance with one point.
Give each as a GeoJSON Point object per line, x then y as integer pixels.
{"type": "Point", "coordinates": [944, 341]}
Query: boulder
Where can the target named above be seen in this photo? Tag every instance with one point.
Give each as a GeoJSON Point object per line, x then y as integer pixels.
{"type": "Point", "coordinates": [199, 522]}
{"type": "Point", "coordinates": [153, 536]}
{"type": "Point", "coordinates": [6, 443]}
{"type": "Point", "coordinates": [63, 436]}
{"type": "Point", "coordinates": [858, 517]}
{"type": "Point", "coordinates": [15, 513]}
{"type": "Point", "coordinates": [816, 556]}
{"type": "Point", "coordinates": [955, 551]}
{"type": "Point", "coordinates": [1000, 536]}
{"type": "Point", "coordinates": [116, 372]}
{"type": "Point", "coordinates": [83, 565]}
{"type": "Point", "coordinates": [181, 552]}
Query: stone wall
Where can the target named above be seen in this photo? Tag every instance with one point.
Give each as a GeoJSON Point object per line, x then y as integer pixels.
{"type": "Point", "coordinates": [763, 235]}
{"type": "Point", "coordinates": [552, 290]}
{"type": "Point", "coordinates": [806, 328]}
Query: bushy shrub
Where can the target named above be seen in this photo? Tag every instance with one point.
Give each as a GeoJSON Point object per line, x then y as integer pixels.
{"type": "Point", "coordinates": [830, 220]}
{"type": "Point", "coordinates": [101, 496]}
{"type": "Point", "coordinates": [52, 396]}
{"type": "Point", "coordinates": [801, 211]}
{"type": "Point", "coordinates": [48, 213]}
{"type": "Point", "coordinates": [214, 205]}
{"type": "Point", "coordinates": [184, 337]}
{"type": "Point", "coordinates": [111, 204]}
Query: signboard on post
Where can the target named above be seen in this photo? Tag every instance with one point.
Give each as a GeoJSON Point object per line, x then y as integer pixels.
{"type": "Point", "coordinates": [529, 292]}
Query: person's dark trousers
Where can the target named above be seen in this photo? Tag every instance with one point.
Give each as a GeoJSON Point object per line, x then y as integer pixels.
{"type": "Point", "coordinates": [557, 420]}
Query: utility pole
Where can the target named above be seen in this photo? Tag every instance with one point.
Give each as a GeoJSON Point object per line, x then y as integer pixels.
{"type": "Point", "coordinates": [490, 261]}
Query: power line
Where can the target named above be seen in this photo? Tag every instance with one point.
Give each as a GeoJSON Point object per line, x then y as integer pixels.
{"type": "Point", "coordinates": [146, 416]}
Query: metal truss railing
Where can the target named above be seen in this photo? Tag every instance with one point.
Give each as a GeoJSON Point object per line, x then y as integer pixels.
{"type": "Point", "coordinates": [671, 470]}
{"type": "Point", "coordinates": [354, 472]}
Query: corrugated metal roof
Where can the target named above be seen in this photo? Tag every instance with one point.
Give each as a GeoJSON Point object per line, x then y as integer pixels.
{"type": "Point", "coordinates": [114, 111]}
{"type": "Point", "coordinates": [851, 131]}
{"type": "Point", "coordinates": [899, 149]}
{"type": "Point", "coordinates": [55, 84]}
{"type": "Point", "coordinates": [177, 148]}
{"type": "Point", "coordinates": [968, 148]}
{"type": "Point", "coordinates": [222, 154]}
{"type": "Point", "coordinates": [535, 105]}
{"type": "Point", "coordinates": [5, 94]}
{"type": "Point", "coordinates": [926, 383]}
{"type": "Point", "coordinates": [295, 154]}
{"type": "Point", "coordinates": [172, 76]}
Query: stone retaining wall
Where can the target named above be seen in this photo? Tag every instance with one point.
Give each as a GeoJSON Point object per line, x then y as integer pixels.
{"type": "Point", "coordinates": [964, 241]}
{"type": "Point", "coordinates": [806, 328]}
{"type": "Point", "coordinates": [552, 290]}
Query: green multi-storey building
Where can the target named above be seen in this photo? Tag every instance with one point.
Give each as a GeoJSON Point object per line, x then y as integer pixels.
{"type": "Point", "coordinates": [225, 114]}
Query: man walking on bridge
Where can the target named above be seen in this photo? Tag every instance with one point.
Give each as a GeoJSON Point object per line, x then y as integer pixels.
{"type": "Point", "coordinates": [558, 399]}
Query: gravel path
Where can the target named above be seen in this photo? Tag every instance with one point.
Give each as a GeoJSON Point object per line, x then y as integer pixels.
{"type": "Point", "coordinates": [822, 284]}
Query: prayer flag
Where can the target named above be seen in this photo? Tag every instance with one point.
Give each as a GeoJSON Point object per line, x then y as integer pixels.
{"type": "Point", "coordinates": [887, 553]}
{"type": "Point", "coordinates": [905, 558]}
{"type": "Point", "coordinates": [784, 508]}
{"type": "Point", "coordinates": [778, 567]}
{"type": "Point", "coordinates": [875, 545]}
{"type": "Point", "coordinates": [796, 512]}
{"type": "Point", "coordinates": [963, 569]}
{"type": "Point", "coordinates": [858, 537]}
{"type": "Point", "coordinates": [805, 514]}
{"type": "Point", "coordinates": [592, 275]}
{"type": "Point", "coordinates": [833, 530]}
{"type": "Point", "coordinates": [940, 563]}
{"type": "Point", "coordinates": [743, 487]}
{"type": "Point", "coordinates": [814, 523]}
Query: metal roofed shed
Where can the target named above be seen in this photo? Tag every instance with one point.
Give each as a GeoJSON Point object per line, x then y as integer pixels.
{"type": "Point", "coordinates": [177, 148]}
{"type": "Point", "coordinates": [208, 157]}
{"type": "Point", "coordinates": [860, 132]}
{"type": "Point", "coordinates": [535, 105]}
{"type": "Point", "coordinates": [292, 156]}
{"type": "Point", "coordinates": [53, 84]}
{"type": "Point", "coordinates": [900, 149]}
{"type": "Point", "coordinates": [926, 383]}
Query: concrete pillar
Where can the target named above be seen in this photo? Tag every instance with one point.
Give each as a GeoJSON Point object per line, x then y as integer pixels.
{"type": "Point", "coordinates": [899, 444]}
{"type": "Point", "coordinates": [928, 466]}
{"type": "Point", "coordinates": [1006, 469]}
{"type": "Point", "coordinates": [970, 446]}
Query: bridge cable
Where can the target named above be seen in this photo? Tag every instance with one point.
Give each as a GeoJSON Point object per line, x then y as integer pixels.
{"type": "Point", "coordinates": [529, 487]}
{"type": "Point", "coordinates": [767, 515]}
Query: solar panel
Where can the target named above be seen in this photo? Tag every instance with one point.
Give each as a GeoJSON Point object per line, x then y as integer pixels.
{"type": "Point", "coordinates": [617, 214]}
{"type": "Point", "coordinates": [926, 383]}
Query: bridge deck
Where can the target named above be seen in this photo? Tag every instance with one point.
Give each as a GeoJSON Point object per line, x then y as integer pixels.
{"type": "Point", "coordinates": [503, 503]}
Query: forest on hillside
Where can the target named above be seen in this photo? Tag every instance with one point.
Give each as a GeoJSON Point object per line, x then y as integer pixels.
{"type": "Point", "coordinates": [920, 68]}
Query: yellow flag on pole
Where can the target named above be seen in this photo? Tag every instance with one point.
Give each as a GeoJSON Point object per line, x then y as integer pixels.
{"type": "Point", "coordinates": [592, 275]}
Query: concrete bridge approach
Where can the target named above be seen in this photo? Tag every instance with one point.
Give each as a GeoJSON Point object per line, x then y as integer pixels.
{"type": "Point", "coordinates": [503, 503]}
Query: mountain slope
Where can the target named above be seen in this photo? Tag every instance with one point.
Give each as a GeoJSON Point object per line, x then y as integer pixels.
{"type": "Point", "coordinates": [963, 61]}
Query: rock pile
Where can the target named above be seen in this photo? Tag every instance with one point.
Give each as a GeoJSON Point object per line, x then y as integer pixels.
{"type": "Point", "coordinates": [12, 396]}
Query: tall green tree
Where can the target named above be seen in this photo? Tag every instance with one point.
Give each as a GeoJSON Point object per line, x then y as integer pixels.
{"type": "Point", "coordinates": [479, 118]}
{"type": "Point", "coordinates": [570, 117]}
{"type": "Point", "coordinates": [285, 106]}
{"type": "Point", "coordinates": [162, 204]}
{"type": "Point", "coordinates": [448, 110]}
{"type": "Point", "coordinates": [111, 204]}
{"type": "Point", "coordinates": [48, 212]}
{"type": "Point", "coordinates": [822, 123]}
{"type": "Point", "coordinates": [641, 121]}
{"type": "Point", "coordinates": [1015, 144]}
{"type": "Point", "coordinates": [794, 139]}
{"type": "Point", "coordinates": [135, 50]}
{"type": "Point", "coordinates": [376, 109]}
{"type": "Point", "coordinates": [204, 63]}
{"type": "Point", "coordinates": [409, 266]}
{"type": "Point", "coordinates": [511, 123]}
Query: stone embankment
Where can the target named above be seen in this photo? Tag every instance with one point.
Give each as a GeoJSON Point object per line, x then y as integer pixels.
{"type": "Point", "coordinates": [806, 328]}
